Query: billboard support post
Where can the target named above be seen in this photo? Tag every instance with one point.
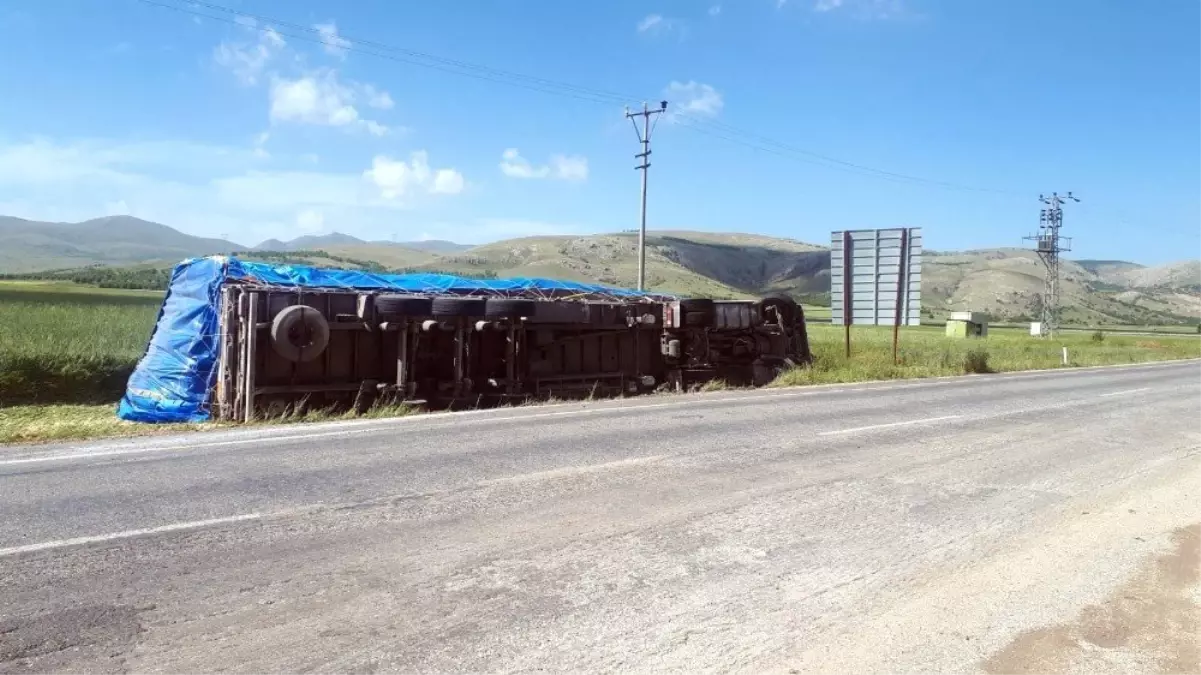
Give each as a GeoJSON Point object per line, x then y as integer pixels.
{"type": "Point", "coordinates": [902, 286]}
{"type": "Point", "coordinates": [875, 279]}
{"type": "Point", "coordinates": [846, 283]}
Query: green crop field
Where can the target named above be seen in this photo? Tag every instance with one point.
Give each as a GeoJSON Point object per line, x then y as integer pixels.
{"type": "Point", "coordinates": [61, 342]}
{"type": "Point", "coordinates": [74, 346]}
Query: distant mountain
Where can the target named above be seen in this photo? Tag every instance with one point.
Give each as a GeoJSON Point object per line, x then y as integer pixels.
{"type": "Point", "coordinates": [1005, 283]}
{"type": "Point", "coordinates": [433, 246]}
{"type": "Point", "coordinates": [29, 245]}
{"type": "Point", "coordinates": [337, 240]}
{"type": "Point", "coordinates": [310, 242]}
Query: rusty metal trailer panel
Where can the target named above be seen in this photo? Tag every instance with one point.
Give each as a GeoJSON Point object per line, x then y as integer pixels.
{"type": "Point", "coordinates": [277, 347]}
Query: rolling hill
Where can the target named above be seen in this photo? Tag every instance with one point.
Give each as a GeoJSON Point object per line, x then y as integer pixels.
{"type": "Point", "coordinates": [1005, 283]}
{"type": "Point", "coordinates": [30, 245]}
{"type": "Point", "coordinates": [338, 240]}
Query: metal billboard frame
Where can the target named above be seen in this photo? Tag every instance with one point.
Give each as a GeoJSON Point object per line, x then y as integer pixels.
{"type": "Point", "coordinates": [883, 271]}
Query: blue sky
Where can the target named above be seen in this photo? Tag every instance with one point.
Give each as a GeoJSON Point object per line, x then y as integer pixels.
{"type": "Point", "coordinates": [255, 129]}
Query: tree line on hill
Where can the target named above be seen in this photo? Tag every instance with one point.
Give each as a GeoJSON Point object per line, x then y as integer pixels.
{"type": "Point", "coordinates": [143, 278]}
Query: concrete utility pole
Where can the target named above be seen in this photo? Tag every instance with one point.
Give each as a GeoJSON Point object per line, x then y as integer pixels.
{"type": "Point", "coordinates": [1048, 245]}
{"type": "Point", "coordinates": [644, 137]}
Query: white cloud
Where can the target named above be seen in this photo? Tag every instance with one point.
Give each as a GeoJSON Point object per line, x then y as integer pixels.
{"type": "Point", "coordinates": [649, 22]}
{"type": "Point", "coordinates": [310, 221]}
{"type": "Point", "coordinates": [570, 168]}
{"type": "Point", "coordinates": [562, 167]}
{"type": "Point", "coordinates": [334, 44]}
{"type": "Point", "coordinates": [694, 98]}
{"type": "Point", "coordinates": [398, 179]}
{"type": "Point", "coordinates": [248, 60]}
{"type": "Point", "coordinates": [315, 97]}
{"type": "Point", "coordinates": [863, 9]}
{"type": "Point", "coordinates": [320, 98]}
{"type": "Point", "coordinates": [513, 165]}
{"type": "Point", "coordinates": [207, 189]}
{"type": "Point", "coordinates": [655, 24]}
{"type": "Point", "coordinates": [377, 98]}
{"type": "Point", "coordinates": [260, 140]}
{"type": "Point", "coordinates": [447, 182]}
{"type": "Point", "coordinates": [714, 10]}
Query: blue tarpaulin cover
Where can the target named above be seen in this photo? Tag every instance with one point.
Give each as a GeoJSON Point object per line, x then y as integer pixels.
{"type": "Point", "coordinates": [175, 376]}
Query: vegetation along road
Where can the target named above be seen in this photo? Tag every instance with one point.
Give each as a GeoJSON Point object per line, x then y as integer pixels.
{"type": "Point", "coordinates": [1025, 522]}
{"type": "Point", "coordinates": [67, 349]}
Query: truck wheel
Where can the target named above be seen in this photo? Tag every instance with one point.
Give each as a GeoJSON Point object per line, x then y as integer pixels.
{"type": "Point", "coordinates": [299, 333]}
{"type": "Point", "coordinates": [403, 305]}
{"type": "Point", "coordinates": [785, 307]}
{"type": "Point", "coordinates": [505, 308]}
{"type": "Point", "coordinates": [458, 307]}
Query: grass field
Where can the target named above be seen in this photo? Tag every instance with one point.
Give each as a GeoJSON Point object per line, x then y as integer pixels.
{"type": "Point", "coordinates": [60, 342]}
{"type": "Point", "coordinates": [66, 352]}
{"type": "Point", "coordinates": [925, 352]}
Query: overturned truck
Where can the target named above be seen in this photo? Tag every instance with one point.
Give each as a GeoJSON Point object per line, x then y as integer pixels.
{"type": "Point", "coordinates": [236, 339]}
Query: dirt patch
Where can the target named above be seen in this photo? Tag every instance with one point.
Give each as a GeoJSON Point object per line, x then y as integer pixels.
{"type": "Point", "coordinates": [1149, 624]}
{"type": "Point", "coordinates": [97, 636]}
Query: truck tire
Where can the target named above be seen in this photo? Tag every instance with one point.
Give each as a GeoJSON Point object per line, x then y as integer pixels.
{"type": "Point", "coordinates": [507, 308]}
{"type": "Point", "coordinates": [785, 307]}
{"type": "Point", "coordinates": [299, 333]}
{"type": "Point", "coordinates": [458, 307]}
{"type": "Point", "coordinates": [403, 305]}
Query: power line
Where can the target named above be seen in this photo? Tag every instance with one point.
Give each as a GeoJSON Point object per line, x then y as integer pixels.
{"type": "Point", "coordinates": [644, 165]}
{"type": "Point", "coordinates": [421, 59]}
{"type": "Point", "coordinates": [412, 53]}
{"type": "Point", "coordinates": [491, 77]}
{"type": "Point", "coordinates": [786, 150]}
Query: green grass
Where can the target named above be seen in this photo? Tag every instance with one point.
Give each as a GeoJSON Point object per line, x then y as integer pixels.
{"type": "Point", "coordinates": [42, 423]}
{"type": "Point", "coordinates": [926, 352]}
{"type": "Point", "coordinates": [816, 313]}
{"type": "Point", "coordinates": [63, 343]}
{"type": "Point", "coordinates": [60, 342]}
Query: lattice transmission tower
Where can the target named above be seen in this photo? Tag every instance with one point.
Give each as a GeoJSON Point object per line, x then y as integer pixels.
{"type": "Point", "coordinates": [1049, 244]}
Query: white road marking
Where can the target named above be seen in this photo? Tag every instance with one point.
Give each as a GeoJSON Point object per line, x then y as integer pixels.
{"type": "Point", "coordinates": [925, 420]}
{"type": "Point", "coordinates": [128, 534]}
{"type": "Point", "coordinates": [1126, 391]}
{"type": "Point", "coordinates": [377, 425]}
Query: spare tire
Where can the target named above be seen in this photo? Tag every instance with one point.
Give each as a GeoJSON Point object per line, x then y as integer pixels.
{"type": "Point", "coordinates": [457, 307]}
{"type": "Point", "coordinates": [403, 305]}
{"type": "Point", "coordinates": [784, 306]}
{"type": "Point", "coordinates": [509, 309]}
{"type": "Point", "coordinates": [299, 333]}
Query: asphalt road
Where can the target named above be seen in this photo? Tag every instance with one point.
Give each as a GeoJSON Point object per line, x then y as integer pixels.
{"type": "Point", "coordinates": [956, 524]}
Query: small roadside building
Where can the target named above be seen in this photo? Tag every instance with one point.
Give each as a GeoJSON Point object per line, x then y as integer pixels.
{"type": "Point", "coordinates": [967, 324]}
